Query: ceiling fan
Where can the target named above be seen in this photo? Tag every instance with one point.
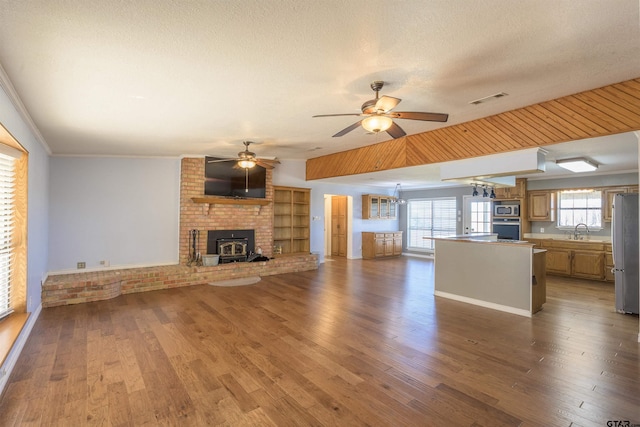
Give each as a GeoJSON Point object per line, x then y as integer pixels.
{"type": "Point", "coordinates": [378, 116]}
{"type": "Point", "coordinates": [247, 159]}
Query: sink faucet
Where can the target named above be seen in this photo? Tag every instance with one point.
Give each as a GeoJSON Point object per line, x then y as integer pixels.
{"type": "Point", "coordinates": [576, 233]}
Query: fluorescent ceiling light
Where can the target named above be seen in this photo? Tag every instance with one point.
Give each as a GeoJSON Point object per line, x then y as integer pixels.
{"type": "Point", "coordinates": [577, 165]}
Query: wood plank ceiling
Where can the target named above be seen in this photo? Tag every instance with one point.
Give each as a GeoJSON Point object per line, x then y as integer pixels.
{"type": "Point", "coordinates": [599, 112]}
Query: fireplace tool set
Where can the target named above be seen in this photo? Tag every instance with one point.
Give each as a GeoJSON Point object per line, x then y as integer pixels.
{"type": "Point", "coordinates": [194, 243]}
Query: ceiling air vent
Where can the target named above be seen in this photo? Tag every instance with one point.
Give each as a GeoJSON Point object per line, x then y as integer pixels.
{"type": "Point", "coordinates": [488, 98]}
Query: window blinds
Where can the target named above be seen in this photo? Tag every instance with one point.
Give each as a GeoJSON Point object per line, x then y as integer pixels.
{"type": "Point", "coordinates": [430, 218]}
{"type": "Point", "coordinates": [7, 192]}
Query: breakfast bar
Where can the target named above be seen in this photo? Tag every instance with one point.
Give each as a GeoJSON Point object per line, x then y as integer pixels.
{"type": "Point", "coordinates": [506, 275]}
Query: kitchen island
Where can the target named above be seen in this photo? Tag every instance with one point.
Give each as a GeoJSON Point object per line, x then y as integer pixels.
{"type": "Point", "coordinates": [503, 275]}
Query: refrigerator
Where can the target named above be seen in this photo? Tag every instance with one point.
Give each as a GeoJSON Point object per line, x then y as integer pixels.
{"type": "Point", "coordinates": [624, 239]}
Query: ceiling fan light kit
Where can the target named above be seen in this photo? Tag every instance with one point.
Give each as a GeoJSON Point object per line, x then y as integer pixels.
{"type": "Point", "coordinates": [379, 118]}
{"type": "Point", "coordinates": [377, 123]}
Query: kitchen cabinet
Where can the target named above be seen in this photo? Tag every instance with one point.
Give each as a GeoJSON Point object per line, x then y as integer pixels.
{"type": "Point", "coordinates": [582, 259]}
{"type": "Point", "coordinates": [587, 264]}
{"type": "Point", "coordinates": [291, 222]}
{"type": "Point", "coordinates": [381, 244]}
{"type": "Point", "coordinates": [558, 261]}
{"type": "Point", "coordinates": [608, 263]}
{"type": "Point", "coordinates": [378, 207]}
{"type": "Point", "coordinates": [607, 198]}
{"type": "Point", "coordinates": [541, 206]}
{"type": "Point", "coordinates": [510, 193]}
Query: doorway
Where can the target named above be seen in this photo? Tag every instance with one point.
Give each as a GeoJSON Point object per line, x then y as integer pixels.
{"type": "Point", "coordinates": [476, 215]}
{"type": "Point", "coordinates": [339, 226]}
{"type": "Point", "coordinates": [338, 210]}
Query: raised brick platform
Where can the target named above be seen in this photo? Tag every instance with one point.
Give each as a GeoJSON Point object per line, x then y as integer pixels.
{"type": "Point", "coordinates": [76, 288]}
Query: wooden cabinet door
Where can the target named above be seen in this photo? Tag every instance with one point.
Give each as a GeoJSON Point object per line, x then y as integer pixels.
{"type": "Point", "coordinates": [397, 244]}
{"type": "Point", "coordinates": [388, 244]}
{"type": "Point", "coordinates": [379, 245]}
{"type": "Point", "coordinates": [588, 264]}
{"type": "Point", "coordinates": [608, 265]}
{"type": "Point", "coordinates": [541, 206]}
{"type": "Point", "coordinates": [559, 261]}
{"type": "Point", "coordinates": [607, 201]}
{"type": "Point", "coordinates": [518, 192]}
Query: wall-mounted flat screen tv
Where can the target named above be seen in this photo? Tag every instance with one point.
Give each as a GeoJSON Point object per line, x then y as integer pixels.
{"type": "Point", "coordinates": [225, 179]}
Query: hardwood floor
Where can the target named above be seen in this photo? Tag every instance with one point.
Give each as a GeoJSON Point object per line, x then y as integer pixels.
{"type": "Point", "coordinates": [361, 342]}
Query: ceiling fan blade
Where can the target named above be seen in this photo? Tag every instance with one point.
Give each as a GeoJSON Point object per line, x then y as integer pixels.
{"type": "Point", "coordinates": [221, 160]}
{"type": "Point", "coordinates": [267, 163]}
{"type": "Point", "coordinates": [387, 103]}
{"type": "Point", "coordinates": [348, 129]}
{"type": "Point", "coordinates": [337, 115]}
{"type": "Point", "coordinates": [429, 117]}
{"type": "Point", "coordinates": [396, 131]}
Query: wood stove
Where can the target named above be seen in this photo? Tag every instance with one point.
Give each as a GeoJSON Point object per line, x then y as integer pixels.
{"type": "Point", "coordinates": [231, 245]}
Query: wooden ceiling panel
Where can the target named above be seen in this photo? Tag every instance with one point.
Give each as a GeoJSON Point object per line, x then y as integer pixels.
{"type": "Point", "coordinates": [598, 112]}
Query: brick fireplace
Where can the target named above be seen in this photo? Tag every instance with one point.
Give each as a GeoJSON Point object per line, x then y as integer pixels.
{"type": "Point", "coordinates": [206, 217]}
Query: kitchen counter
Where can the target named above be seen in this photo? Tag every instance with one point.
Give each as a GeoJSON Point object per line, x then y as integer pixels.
{"type": "Point", "coordinates": [503, 275]}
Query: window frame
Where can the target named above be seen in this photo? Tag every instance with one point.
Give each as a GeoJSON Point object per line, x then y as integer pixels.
{"type": "Point", "coordinates": [560, 209]}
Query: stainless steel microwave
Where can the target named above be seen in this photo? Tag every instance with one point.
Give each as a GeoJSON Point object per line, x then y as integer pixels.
{"type": "Point", "coordinates": [506, 210]}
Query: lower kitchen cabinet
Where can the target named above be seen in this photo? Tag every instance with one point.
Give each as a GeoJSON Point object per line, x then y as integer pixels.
{"type": "Point", "coordinates": [381, 244]}
{"type": "Point", "coordinates": [587, 264]}
{"type": "Point", "coordinates": [583, 259]}
{"type": "Point", "coordinates": [608, 263]}
{"type": "Point", "coordinates": [559, 261]}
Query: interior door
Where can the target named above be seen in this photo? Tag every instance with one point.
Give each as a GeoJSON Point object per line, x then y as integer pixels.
{"type": "Point", "coordinates": [476, 215]}
{"type": "Point", "coordinates": [339, 226]}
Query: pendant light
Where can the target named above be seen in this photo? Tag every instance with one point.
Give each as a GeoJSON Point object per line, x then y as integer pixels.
{"type": "Point", "coordinates": [396, 195]}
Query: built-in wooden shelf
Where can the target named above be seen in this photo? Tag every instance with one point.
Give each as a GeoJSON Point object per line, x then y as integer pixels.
{"type": "Point", "coordinates": [211, 200]}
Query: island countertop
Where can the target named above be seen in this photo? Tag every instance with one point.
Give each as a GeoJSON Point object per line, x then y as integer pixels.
{"type": "Point", "coordinates": [517, 279]}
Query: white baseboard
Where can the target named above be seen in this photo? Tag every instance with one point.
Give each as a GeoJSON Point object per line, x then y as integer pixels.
{"type": "Point", "coordinates": [14, 354]}
{"type": "Point", "coordinates": [413, 254]}
{"type": "Point", "coordinates": [491, 305]}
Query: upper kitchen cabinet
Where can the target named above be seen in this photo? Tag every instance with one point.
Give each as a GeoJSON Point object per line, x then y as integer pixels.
{"type": "Point", "coordinates": [542, 205]}
{"type": "Point", "coordinates": [607, 198]}
{"type": "Point", "coordinates": [509, 193]}
{"type": "Point", "coordinates": [378, 207]}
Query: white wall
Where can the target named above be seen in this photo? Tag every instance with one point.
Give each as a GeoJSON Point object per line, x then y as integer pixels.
{"type": "Point", "coordinates": [37, 218]}
{"type": "Point", "coordinates": [121, 210]}
{"type": "Point", "coordinates": [292, 173]}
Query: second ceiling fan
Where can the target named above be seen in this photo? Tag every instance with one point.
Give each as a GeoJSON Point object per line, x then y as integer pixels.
{"type": "Point", "coordinates": [378, 116]}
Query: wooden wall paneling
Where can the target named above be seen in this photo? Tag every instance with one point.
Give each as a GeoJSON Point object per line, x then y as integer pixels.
{"type": "Point", "coordinates": [577, 117]}
{"type": "Point", "coordinates": [551, 133]}
{"type": "Point", "coordinates": [520, 136]}
{"type": "Point", "coordinates": [599, 112]}
{"type": "Point", "coordinates": [532, 133]}
{"type": "Point", "coordinates": [382, 156]}
{"type": "Point", "coordinates": [594, 114]}
{"type": "Point", "coordinates": [603, 100]}
{"type": "Point", "coordinates": [425, 149]}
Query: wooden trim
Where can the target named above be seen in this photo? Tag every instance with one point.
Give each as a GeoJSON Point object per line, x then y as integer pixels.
{"type": "Point", "coordinates": [604, 111]}
{"type": "Point", "coordinates": [10, 329]}
{"type": "Point", "coordinates": [212, 200]}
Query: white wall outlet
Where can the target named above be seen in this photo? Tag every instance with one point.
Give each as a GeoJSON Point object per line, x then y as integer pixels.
{"type": "Point", "coordinates": [542, 229]}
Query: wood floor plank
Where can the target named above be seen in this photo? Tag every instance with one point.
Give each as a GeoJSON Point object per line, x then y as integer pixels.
{"type": "Point", "coordinates": [356, 342]}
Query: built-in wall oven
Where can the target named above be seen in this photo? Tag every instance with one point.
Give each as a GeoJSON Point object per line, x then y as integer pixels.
{"type": "Point", "coordinates": [507, 228]}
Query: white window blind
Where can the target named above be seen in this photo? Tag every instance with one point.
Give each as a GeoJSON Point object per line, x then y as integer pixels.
{"type": "Point", "coordinates": [428, 218]}
{"type": "Point", "coordinates": [580, 206]}
{"type": "Point", "coordinates": [7, 192]}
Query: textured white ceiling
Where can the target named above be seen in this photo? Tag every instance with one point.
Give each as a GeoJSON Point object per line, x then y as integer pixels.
{"type": "Point", "coordinates": [167, 77]}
